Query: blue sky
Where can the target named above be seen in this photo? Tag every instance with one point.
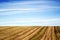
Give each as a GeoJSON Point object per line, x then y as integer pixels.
{"type": "Point", "coordinates": [30, 12]}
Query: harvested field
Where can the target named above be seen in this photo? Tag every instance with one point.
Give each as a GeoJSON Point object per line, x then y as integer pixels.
{"type": "Point", "coordinates": [30, 33]}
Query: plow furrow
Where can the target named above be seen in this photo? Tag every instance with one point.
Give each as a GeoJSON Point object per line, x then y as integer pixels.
{"type": "Point", "coordinates": [30, 33]}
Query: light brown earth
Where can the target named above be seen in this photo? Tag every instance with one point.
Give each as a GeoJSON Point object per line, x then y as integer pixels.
{"type": "Point", "coordinates": [29, 33]}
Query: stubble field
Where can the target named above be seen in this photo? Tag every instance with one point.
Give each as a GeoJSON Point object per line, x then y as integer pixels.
{"type": "Point", "coordinates": [30, 33]}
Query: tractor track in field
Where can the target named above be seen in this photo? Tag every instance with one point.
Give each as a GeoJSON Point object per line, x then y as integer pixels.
{"type": "Point", "coordinates": [56, 33]}
{"type": "Point", "coordinates": [44, 35]}
{"type": "Point", "coordinates": [26, 34]}
{"type": "Point", "coordinates": [29, 33]}
{"type": "Point", "coordinates": [32, 34]}
{"type": "Point", "coordinates": [14, 35]}
{"type": "Point", "coordinates": [36, 33]}
{"type": "Point", "coordinates": [48, 35]}
{"type": "Point", "coordinates": [53, 34]}
{"type": "Point", "coordinates": [37, 36]}
{"type": "Point", "coordinates": [18, 33]}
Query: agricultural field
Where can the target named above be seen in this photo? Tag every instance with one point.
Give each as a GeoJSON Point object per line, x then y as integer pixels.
{"type": "Point", "coordinates": [29, 33]}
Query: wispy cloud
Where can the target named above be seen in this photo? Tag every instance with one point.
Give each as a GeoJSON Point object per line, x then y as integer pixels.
{"type": "Point", "coordinates": [15, 11]}
{"type": "Point", "coordinates": [41, 8]}
{"type": "Point", "coordinates": [20, 9]}
{"type": "Point", "coordinates": [26, 9]}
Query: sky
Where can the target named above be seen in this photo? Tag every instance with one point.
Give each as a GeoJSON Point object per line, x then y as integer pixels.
{"type": "Point", "coordinates": [29, 12]}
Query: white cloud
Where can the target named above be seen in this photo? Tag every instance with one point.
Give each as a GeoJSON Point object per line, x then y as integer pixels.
{"type": "Point", "coordinates": [20, 9]}
{"type": "Point", "coordinates": [15, 11]}
{"type": "Point", "coordinates": [27, 7]}
{"type": "Point", "coordinates": [41, 8]}
{"type": "Point", "coordinates": [24, 7]}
